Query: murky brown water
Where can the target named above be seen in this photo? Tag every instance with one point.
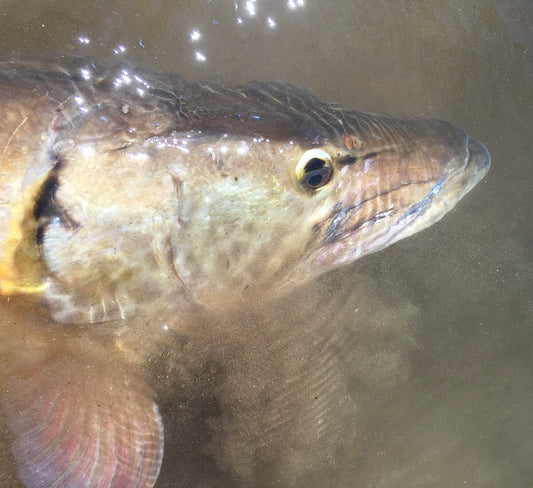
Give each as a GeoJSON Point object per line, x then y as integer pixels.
{"type": "Point", "coordinates": [432, 338]}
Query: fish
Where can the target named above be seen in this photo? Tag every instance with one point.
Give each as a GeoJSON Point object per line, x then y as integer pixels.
{"type": "Point", "coordinates": [135, 205]}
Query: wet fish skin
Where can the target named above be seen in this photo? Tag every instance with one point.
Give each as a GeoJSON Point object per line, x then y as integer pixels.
{"type": "Point", "coordinates": [127, 194]}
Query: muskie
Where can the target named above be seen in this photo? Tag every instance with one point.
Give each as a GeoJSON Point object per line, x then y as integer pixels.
{"type": "Point", "coordinates": [132, 202]}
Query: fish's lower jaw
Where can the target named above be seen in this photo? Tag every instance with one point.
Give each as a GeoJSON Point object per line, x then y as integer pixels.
{"type": "Point", "coordinates": [366, 240]}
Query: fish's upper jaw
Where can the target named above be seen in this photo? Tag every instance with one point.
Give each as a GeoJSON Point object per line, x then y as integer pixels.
{"type": "Point", "coordinates": [398, 192]}
{"type": "Point", "coordinates": [451, 187]}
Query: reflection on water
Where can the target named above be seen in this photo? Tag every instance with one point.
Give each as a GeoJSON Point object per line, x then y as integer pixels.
{"type": "Point", "coordinates": [432, 337]}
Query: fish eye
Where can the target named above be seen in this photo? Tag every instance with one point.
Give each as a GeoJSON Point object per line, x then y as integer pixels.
{"type": "Point", "coordinates": [314, 169]}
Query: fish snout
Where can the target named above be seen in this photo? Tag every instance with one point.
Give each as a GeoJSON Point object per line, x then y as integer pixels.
{"type": "Point", "coordinates": [459, 154]}
{"type": "Point", "coordinates": [478, 162]}
{"type": "Point", "coordinates": [400, 188]}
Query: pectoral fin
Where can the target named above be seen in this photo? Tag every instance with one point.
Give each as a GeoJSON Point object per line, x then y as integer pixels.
{"type": "Point", "coordinates": [77, 424]}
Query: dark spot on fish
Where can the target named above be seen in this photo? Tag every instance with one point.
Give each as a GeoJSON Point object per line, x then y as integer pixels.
{"type": "Point", "coordinates": [39, 236]}
{"type": "Point", "coordinates": [46, 199]}
{"type": "Point", "coordinates": [47, 207]}
{"type": "Point", "coordinates": [350, 159]}
{"type": "Point", "coordinates": [236, 179]}
{"type": "Point", "coordinates": [123, 146]}
{"type": "Point", "coordinates": [345, 160]}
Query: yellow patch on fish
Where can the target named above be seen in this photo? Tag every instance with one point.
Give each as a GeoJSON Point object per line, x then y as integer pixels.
{"type": "Point", "coordinates": [19, 265]}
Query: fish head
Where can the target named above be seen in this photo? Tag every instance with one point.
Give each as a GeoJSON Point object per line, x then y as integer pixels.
{"type": "Point", "coordinates": [268, 215]}
{"type": "Point", "coordinates": [229, 194]}
{"type": "Point", "coordinates": [225, 217]}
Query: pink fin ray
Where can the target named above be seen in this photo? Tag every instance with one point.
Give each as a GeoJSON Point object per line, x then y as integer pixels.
{"type": "Point", "coordinates": [80, 425]}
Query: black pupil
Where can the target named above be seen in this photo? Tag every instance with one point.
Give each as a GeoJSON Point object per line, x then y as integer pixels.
{"type": "Point", "coordinates": [315, 180]}
{"type": "Point", "coordinates": [316, 173]}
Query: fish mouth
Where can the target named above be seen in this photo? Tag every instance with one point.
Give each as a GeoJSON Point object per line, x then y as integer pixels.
{"type": "Point", "coordinates": [454, 184]}
{"type": "Point", "coordinates": [394, 213]}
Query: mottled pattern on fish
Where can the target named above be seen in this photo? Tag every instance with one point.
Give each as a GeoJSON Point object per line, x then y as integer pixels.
{"type": "Point", "coordinates": [132, 203]}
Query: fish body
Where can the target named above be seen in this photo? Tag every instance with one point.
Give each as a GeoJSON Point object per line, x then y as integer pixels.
{"type": "Point", "coordinates": [130, 199]}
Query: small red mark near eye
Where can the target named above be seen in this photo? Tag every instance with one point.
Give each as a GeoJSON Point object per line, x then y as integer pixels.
{"type": "Point", "coordinates": [350, 142]}
{"type": "Point", "coordinates": [347, 142]}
